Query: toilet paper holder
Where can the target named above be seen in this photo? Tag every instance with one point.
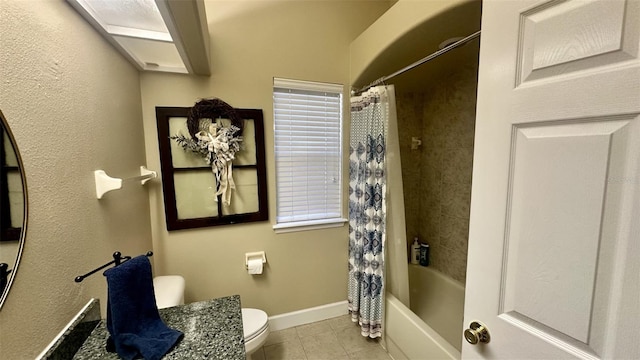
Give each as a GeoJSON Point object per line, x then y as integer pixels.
{"type": "Point", "coordinates": [253, 255]}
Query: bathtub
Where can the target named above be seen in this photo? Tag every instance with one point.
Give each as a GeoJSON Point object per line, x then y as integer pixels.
{"type": "Point", "coordinates": [432, 328]}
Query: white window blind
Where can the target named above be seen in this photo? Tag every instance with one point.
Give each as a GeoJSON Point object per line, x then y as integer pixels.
{"type": "Point", "coordinates": [308, 151]}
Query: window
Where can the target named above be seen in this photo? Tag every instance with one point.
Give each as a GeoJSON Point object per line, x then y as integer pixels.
{"type": "Point", "coordinates": [11, 190]}
{"type": "Point", "coordinates": [308, 151]}
{"type": "Point", "coordinates": [189, 185]}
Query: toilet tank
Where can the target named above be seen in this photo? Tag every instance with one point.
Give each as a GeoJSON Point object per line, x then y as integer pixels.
{"type": "Point", "coordinates": [169, 290]}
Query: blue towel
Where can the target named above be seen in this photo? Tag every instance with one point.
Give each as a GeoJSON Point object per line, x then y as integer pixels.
{"type": "Point", "coordinates": [132, 314]}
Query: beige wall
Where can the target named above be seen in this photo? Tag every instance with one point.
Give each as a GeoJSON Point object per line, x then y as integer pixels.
{"type": "Point", "coordinates": [252, 42]}
{"type": "Point", "coordinates": [73, 104]}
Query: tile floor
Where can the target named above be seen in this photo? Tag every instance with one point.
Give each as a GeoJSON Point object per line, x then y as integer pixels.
{"type": "Point", "coordinates": [333, 339]}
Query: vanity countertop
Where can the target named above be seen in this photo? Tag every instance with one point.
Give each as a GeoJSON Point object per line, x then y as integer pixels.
{"type": "Point", "coordinates": [212, 330]}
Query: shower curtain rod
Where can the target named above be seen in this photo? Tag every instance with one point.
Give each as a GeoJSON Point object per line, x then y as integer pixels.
{"type": "Point", "coordinates": [420, 62]}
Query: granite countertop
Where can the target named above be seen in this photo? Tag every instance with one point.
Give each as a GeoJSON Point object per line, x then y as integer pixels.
{"type": "Point", "coordinates": [212, 330]}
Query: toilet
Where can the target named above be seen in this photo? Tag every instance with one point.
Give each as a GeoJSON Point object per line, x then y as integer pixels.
{"type": "Point", "coordinates": [169, 291]}
{"type": "Point", "coordinates": [255, 324]}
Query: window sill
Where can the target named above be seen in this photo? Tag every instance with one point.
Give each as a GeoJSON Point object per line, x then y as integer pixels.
{"type": "Point", "coordinates": [308, 225]}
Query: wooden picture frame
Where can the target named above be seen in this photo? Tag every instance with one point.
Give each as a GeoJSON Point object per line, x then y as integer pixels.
{"type": "Point", "coordinates": [188, 183]}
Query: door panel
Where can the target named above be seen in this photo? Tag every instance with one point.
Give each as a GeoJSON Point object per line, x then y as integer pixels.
{"type": "Point", "coordinates": [554, 248]}
{"type": "Point", "coordinates": [561, 177]}
{"type": "Point", "coordinates": [560, 37]}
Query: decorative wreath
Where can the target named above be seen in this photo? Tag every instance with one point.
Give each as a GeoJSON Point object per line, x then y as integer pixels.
{"type": "Point", "coordinates": [218, 144]}
{"type": "Point", "coordinates": [212, 109]}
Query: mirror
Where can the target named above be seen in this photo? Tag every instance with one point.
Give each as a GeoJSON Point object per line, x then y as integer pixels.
{"type": "Point", "coordinates": [13, 209]}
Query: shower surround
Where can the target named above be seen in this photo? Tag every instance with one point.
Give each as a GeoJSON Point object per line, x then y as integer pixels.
{"type": "Point", "coordinates": [437, 176]}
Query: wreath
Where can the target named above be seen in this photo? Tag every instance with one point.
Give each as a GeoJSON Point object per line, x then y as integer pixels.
{"type": "Point", "coordinates": [216, 143]}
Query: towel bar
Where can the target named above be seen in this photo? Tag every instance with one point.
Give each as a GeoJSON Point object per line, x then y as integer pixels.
{"type": "Point", "coordinates": [117, 260]}
{"type": "Point", "coordinates": [106, 183]}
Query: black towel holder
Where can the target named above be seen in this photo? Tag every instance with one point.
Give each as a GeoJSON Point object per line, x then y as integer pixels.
{"type": "Point", "coordinates": [117, 260]}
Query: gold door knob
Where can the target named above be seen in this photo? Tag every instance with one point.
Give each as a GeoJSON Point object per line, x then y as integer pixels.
{"type": "Point", "coordinates": [476, 333]}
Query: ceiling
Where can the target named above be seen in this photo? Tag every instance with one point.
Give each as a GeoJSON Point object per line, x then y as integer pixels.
{"type": "Point", "coordinates": [154, 35]}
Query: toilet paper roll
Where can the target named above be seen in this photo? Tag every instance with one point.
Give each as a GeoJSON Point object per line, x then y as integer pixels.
{"type": "Point", "coordinates": [254, 266]}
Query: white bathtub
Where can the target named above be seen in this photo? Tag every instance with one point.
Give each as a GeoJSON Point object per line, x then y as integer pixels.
{"type": "Point", "coordinates": [433, 330]}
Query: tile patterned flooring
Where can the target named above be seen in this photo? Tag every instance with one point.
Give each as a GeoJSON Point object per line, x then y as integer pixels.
{"type": "Point", "coordinates": [333, 339]}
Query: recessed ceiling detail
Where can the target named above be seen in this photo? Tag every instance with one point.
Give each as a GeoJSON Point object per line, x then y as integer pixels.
{"type": "Point", "coordinates": [150, 33]}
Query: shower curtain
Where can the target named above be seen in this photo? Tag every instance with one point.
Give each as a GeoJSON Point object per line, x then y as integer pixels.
{"type": "Point", "coordinates": [367, 207]}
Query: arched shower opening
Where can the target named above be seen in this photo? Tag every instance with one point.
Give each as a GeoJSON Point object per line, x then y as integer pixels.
{"type": "Point", "coordinates": [436, 105]}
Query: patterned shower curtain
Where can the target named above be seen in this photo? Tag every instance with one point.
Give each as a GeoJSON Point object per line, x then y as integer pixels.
{"type": "Point", "coordinates": [367, 198]}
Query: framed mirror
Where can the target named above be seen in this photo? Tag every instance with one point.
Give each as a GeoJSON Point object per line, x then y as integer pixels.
{"type": "Point", "coordinates": [13, 208]}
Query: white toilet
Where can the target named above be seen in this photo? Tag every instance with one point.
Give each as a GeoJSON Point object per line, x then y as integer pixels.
{"type": "Point", "coordinates": [255, 324]}
{"type": "Point", "coordinates": [169, 291]}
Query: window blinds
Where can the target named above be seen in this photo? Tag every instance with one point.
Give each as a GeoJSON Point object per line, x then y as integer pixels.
{"type": "Point", "coordinates": [308, 150]}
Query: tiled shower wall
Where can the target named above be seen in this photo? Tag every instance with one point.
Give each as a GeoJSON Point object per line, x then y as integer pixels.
{"type": "Point", "coordinates": [437, 176]}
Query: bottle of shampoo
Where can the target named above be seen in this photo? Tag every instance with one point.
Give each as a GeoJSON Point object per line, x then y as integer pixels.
{"type": "Point", "coordinates": [415, 251]}
{"type": "Point", "coordinates": [424, 254]}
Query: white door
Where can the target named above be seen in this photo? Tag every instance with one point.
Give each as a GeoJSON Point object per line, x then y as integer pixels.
{"type": "Point", "coordinates": [554, 243]}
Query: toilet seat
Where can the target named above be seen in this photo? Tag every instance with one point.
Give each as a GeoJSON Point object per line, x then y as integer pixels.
{"type": "Point", "coordinates": [254, 323]}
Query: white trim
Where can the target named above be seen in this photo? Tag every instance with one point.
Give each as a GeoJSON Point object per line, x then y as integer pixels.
{"type": "Point", "coordinates": [308, 225]}
{"type": "Point", "coordinates": [306, 316]}
{"type": "Point", "coordinates": [65, 329]}
{"type": "Point", "coordinates": [138, 33]}
{"type": "Point", "coordinates": [162, 68]}
{"type": "Point", "coordinates": [307, 85]}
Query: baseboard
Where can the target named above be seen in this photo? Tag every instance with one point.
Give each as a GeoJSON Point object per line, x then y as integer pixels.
{"type": "Point", "coordinates": [306, 316]}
